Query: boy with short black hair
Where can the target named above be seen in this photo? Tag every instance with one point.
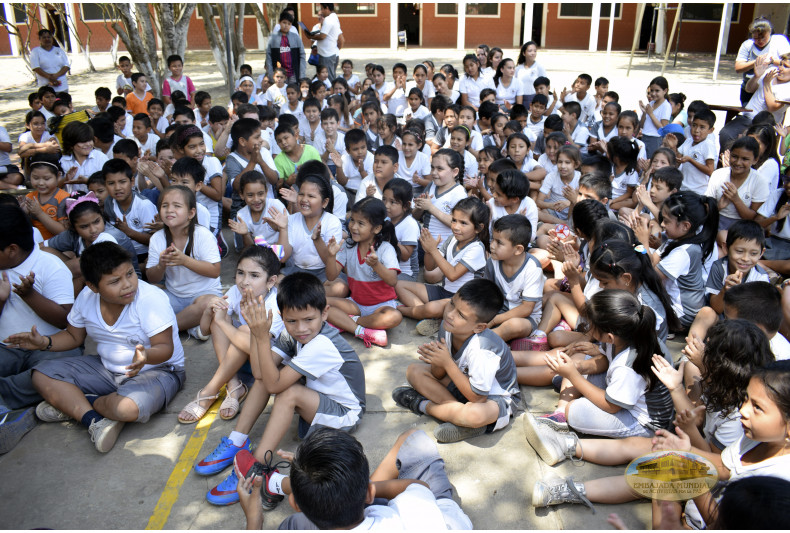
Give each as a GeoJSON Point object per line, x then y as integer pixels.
{"type": "Point", "coordinates": [579, 94]}
{"type": "Point", "coordinates": [123, 83]}
{"type": "Point", "coordinates": [698, 155]}
{"type": "Point", "coordinates": [137, 100]}
{"type": "Point", "coordinates": [334, 391]}
{"type": "Point", "coordinates": [202, 108]}
{"type": "Point", "coordinates": [664, 182]}
{"type": "Point", "coordinates": [141, 129]}
{"type": "Point", "coordinates": [156, 110]}
{"type": "Point", "coordinates": [356, 164]}
{"type": "Point", "coordinates": [103, 96]}
{"type": "Point", "coordinates": [520, 114]}
{"type": "Point", "coordinates": [338, 494]}
{"type": "Point", "coordinates": [510, 195]}
{"type": "Point", "coordinates": [371, 113]}
{"type": "Point", "coordinates": [537, 117]}
{"type": "Point", "coordinates": [292, 154]}
{"type": "Point", "coordinates": [328, 139]}
{"type": "Point", "coordinates": [130, 212]}
{"type": "Point", "coordinates": [385, 166]}
{"type": "Point", "coordinates": [482, 393]}
{"type": "Point", "coordinates": [550, 125]}
{"type": "Point", "coordinates": [518, 275]}
{"type": "Point", "coordinates": [542, 86]}
{"type": "Point", "coordinates": [286, 50]}
{"type": "Point", "coordinates": [47, 96]}
{"type": "Point", "coordinates": [573, 127]}
{"type": "Point", "coordinates": [34, 101]}
{"type": "Point", "coordinates": [188, 172]}
{"type": "Point", "coordinates": [130, 380]}
{"type": "Point", "coordinates": [434, 122]}
{"type": "Point", "coordinates": [312, 112]}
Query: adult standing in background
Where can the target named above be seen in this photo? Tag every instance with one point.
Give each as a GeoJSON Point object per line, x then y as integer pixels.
{"type": "Point", "coordinates": [763, 42]}
{"type": "Point", "coordinates": [528, 70]}
{"type": "Point", "coordinates": [49, 62]}
{"type": "Point", "coordinates": [327, 39]}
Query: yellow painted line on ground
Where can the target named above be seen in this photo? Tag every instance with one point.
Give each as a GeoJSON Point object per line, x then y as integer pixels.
{"type": "Point", "coordinates": [182, 468]}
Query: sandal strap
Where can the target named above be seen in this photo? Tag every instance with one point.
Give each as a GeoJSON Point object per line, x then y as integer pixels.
{"type": "Point", "coordinates": [195, 409]}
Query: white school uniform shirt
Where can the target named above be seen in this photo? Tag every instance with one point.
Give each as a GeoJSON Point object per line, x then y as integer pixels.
{"type": "Point", "coordinates": [622, 181]}
{"type": "Point", "coordinates": [780, 347]}
{"type": "Point", "coordinates": [470, 165]}
{"type": "Point", "coordinates": [535, 129]}
{"type": "Point", "coordinates": [362, 192]}
{"type": "Point", "coordinates": [121, 81]}
{"type": "Point", "coordinates": [304, 254]}
{"type": "Point", "coordinates": [147, 315]}
{"type": "Point", "coordinates": [753, 189]}
{"type": "Point", "coordinates": [421, 114]}
{"type": "Point", "coordinates": [580, 135]}
{"type": "Point", "coordinates": [398, 103]}
{"type": "Point", "coordinates": [625, 388]}
{"type": "Point", "coordinates": [546, 163]}
{"type": "Point", "coordinates": [27, 137]}
{"type": "Point", "coordinates": [340, 206]}
{"type": "Point", "coordinates": [663, 112]}
{"type": "Point", "coordinates": [472, 88]}
{"type": "Point", "coordinates": [52, 280]}
{"type": "Point", "coordinates": [527, 76]}
{"type": "Point", "coordinates": [276, 95]}
{"type": "Point", "coordinates": [261, 227]}
{"type": "Point", "coordinates": [587, 103]}
{"type": "Point", "coordinates": [407, 231]}
{"type": "Point", "coordinates": [529, 164]}
{"type": "Point", "coordinates": [5, 157]}
{"type": "Point", "coordinates": [601, 135]}
{"type": "Point", "coordinates": [525, 285]}
{"type": "Point", "coordinates": [93, 163]}
{"type": "Point", "coordinates": [552, 188]}
{"type": "Point", "coordinates": [527, 205]}
{"type": "Point", "coordinates": [241, 162]}
{"type": "Point", "coordinates": [445, 203]}
{"type": "Point", "coordinates": [421, 165]}
{"type": "Point", "coordinates": [416, 508]}
{"type": "Point", "coordinates": [769, 171]}
{"type": "Point", "coordinates": [141, 212]}
{"type": "Point", "coordinates": [757, 103]}
{"type": "Point", "coordinates": [472, 256]}
{"type": "Point", "coordinates": [352, 172]}
{"type": "Point", "coordinates": [386, 87]}
{"type": "Point", "coordinates": [309, 134]}
{"type": "Point", "coordinates": [180, 280]}
{"type": "Point", "coordinates": [270, 300]}
{"type": "Point", "coordinates": [768, 209]}
{"type": "Point", "coordinates": [428, 90]}
{"type": "Point", "coordinates": [203, 216]}
{"type": "Point", "coordinates": [508, 94]}
{"type": "Point", "coordinates": [213, 168]}
{"type": "Point", "coordinates": [693, 178]}
{"type": "Point", "coordinates": [319, 142]}
{"type": "Point", "coordinates": [298, 112]}
{"type": "Point", "coordinates": [50, 61]}
{"type": "Point", "coordinates": [149, 145]}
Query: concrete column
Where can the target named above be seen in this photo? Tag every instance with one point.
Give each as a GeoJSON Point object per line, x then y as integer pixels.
{"type": "Point", "coordinates": [527, 23]}
{"type": "Point", "coordinates": [461, 43]}
{"type": "Point", "coordinates": [595, 22]}
{"type": "Point", "coordinates": [262, 41]}
{"type": "Point", "coordinates": [8, 11]}
{"type": "Point", "coordinates": [70, 13]}
{"type": "Point", "coordinates": [661, 28]}
{"type": "Point", "coordinates": [393, 26]}
{"type": "Point", "coordinates": [611, 28]}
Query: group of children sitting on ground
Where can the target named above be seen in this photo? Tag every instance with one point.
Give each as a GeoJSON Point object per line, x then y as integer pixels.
{"type": "Point", "coordinates": [540, 245]}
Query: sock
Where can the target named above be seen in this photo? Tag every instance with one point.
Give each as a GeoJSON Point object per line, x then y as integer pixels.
{"type": "Point", "coordinates": [359, 331]}
{"type": "Point", "coordinates": [90, 417]}
{"type": "Point", "coordinates": [423, 406]}
{"type": "Point", "coordinates": [275, 484]}
{"type": "Point", "coordinates": [91, 398]}
{"type": "Point", "coordinates": [237, 438]}
{"type": "Point", "coordinates": [354, 317]}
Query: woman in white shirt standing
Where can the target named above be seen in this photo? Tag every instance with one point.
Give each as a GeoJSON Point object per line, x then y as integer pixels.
{"type": "Point", "coordinates": [49, 62]}
{"type": "Point", "coordinates": [528, 70]}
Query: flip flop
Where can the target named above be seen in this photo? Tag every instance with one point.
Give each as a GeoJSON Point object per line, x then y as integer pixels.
{"type": "Point", "coordinates": [195, 409]}
{"type": "Point", "coordinates": [233, 403]}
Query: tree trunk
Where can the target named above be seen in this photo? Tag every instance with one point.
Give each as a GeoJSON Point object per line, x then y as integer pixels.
{"type": "Point", "coordinates": [136, 31]}
{"type": "Point", "coordinates": [215, 40]}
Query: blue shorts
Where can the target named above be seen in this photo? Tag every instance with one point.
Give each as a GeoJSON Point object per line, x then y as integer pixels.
{"type": "Point", "coordinates": [437, 292]}
{"type": "Point", "coordinates": [179, 303]}
{"type": "Point", "coordinates": [365, 310]}
{"type": "Point", "coordinates": [151, 390]}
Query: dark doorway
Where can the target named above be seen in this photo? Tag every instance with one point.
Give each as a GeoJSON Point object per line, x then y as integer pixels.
{"type": "Point", "coordinates": [647, 27]}
{"type": "Point", "coordinates": [58, 27]}
{"type": "Point", "coordinates": [537, 23]}
{"type": "Point", "coordinates": [409, 21]}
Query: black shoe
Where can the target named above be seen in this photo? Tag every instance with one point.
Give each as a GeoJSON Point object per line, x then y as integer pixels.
{"type": "Point", "coordinates": [556, 382]}
{"type": "Point", "coordinates": [409, 398]}
{"type": "Point", "coordinates": [223, 246]}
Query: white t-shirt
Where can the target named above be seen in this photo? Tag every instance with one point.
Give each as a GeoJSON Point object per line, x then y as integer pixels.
{"type": "Point", "coordinates": [508, 94]}
{"type": "Point", "coordinates": [470, 165]}
{"type": "Point", "coordinates": [203, 216]}
{"type": "Point", "coordinates": [362, 192]}
{"type": "Point", "coordinates": [471, 88]}
{"type": "Point", "coordinates": [552, 187]}
{"type": "Point", "coordinates": [693, 178]}
{"type": "Point", "coordinates": [351, 171]}
{"type": "Point", "coordinates": [587, 103]}
{"type": "Point", "coordinates": [535, 129]}
{"type": "Point", "coordinates": [753, 189]}
{"type": "Point", "coordinates": [475, 143]}
{"type": "Point", "coordinates": [213, 169]}
{"type": "Point", "coordinates": [407, 231]}
{"type": "Point", "coordinates": [52, 280]}
{"type": "Point", "coordinates": [527, 207]}
{"type": "Point", "coordinates": [5, 157]}
{"type": "Point", "coordinates": [472, 256]}
{"type": "Point", "coordinates": [262, 227]}
{"type": "Point", "coordinates": [527, 76]}
{"type": "Point", "coordinates": [149, 145]}
{"type": "Point", "coordinates": [525, 285]}
{"type": "Point", "coordinates": [663, 112]}
{"type": "Point", "coordinates": [546, 163]}
{"type": "Point", "coordinates": [421, 164]}
{"type": "Point", "coordinates": [626, 389]}
{"type": "Point", "coordinates": [428, 90]}
{"type": "Point", "coordinates": [148, 315]}
{"type": "Point", "coordinates": [416, 508]}
{"type": "Point", "coordinates": [757, 102]}
{"type": "Point", "coordinates": [93, 163]}
{"type": "Point", "coordinates": [121, 81]}
{"type": "Point", "coordinates": [768, 209]}
{"type": "Point", "coordinates": [319, 142]}
{"type": "Point", "coordinates": [27, 137]}
{"type": "Point", "coordinates": [421, 114]}
{"type": "Point", "coordinates": [769, 170]}
{"type": "Point", "coordinates": [141, 212]}
{"type": "Point", "coordinates": [776, 47]}
{"type": "Point", "coordinates": [180, 280]}
{"type": "Point", "coordinates": [445, 203]}
{"type": "Point", "coordinates": [50, 61]}
{"type": "Point", "coordinates": [300, 238]}
{"type": "Point", "coordinates": [622, 181]}
{"type": "Point", "coordinates": [341, 201]}
{"type": "Point", "coordinates": [331, 28]}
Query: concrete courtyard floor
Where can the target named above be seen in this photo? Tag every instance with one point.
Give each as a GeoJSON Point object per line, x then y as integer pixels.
{"type": "Point", "coordinates": [55, 478]}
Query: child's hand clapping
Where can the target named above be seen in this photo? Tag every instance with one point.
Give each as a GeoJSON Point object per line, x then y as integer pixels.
{"type": "Point", "coordinates": [277, 219]}
{"type": "Point", "coordinates": [429, 244]}
{"type": "Point", "coordinates": [372, 259]}
{"type": "Point", "coordinates": [423, 202]}
{"type": "Point", "coordinates": [666, 441]}
{"type": "Point", "coordinates": [239, 227]}
{"type": "Point", "coordinates": [172, 256]}
{"type": "Point", "coordinates": [370, 190]}
{"type": "Point", "coordinates": [694, 348]}
{"type": "Point", "coordinates": [258, 318]}
{"type": "Point", "coordinates": [333, 246]}
{"type": "Point", "coordinates": [570, 193]}
{"type": "Point", "coordinates": [435, 354]}
{"type": "Point", "coordinates": [667, 374]}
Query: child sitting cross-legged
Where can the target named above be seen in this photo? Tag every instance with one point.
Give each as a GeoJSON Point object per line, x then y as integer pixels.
{"type": "Point", "coordinates": [313, 353]}
{"type": "Point", "coordinates": [460, 258]}
{"type": "Point", "coordinates": [338, 493]}
{"type": "Point", "coordinates": [518, 275]}
{"type": "Point", "coordinates": [140, 364]}
{"type": "Point", "coordinates": [370, 260]}
{"type": "Point", "coordinates": [468, 378]}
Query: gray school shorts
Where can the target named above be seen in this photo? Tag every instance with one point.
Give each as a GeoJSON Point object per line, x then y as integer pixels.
{"type": "Point", "coordinates": [151, 390]}
{"type": "Point", "coordinates": [179, 304]}
{"type": "Point", "coordinates": [586, 417]}
{"type": "Point", "coordinates": [504, 403]}
{"type": "Point", "coordinates": [330, 414]}
{"type": "Point", "coordinates": [290, 268]}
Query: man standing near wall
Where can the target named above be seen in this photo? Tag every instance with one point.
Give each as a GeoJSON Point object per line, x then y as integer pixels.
{"type": "Point", "coordinates": [327, 39]}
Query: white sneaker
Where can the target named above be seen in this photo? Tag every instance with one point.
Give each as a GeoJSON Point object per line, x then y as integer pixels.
{"type": "Point", "coordinates": [104, 433]}
{"type": "Point", "coordinates": [47, 413]}
{"type": "Point", "coordinates": [198, 334]}
{"type": "Point", "coordinates": [558, 491]}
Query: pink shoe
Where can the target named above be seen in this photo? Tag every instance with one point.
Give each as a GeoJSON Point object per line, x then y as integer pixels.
{"type": "Point", "coordinates": [374, 336]}
{"type": "Point", "coordinates": [535, 344]}
{"type": "Point", "coordinates": [563, 326]}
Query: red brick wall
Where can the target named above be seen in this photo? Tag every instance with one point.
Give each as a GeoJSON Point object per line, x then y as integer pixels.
{"type": "Point", "coordinates": [438, 32]}
{"type": "Point", "coordinates": [493, 31]}
{"type": "Point", "coordinates": [703, 36]}
{"type": "Point", "coordinates": [358, 30]}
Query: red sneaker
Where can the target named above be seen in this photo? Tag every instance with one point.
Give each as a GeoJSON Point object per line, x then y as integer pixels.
{"type": "Point", "coordinates": [246, 466]}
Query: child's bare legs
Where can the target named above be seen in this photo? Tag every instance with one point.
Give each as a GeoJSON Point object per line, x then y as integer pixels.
{"type": "Point", "coordinates": [433, 309]}
{"type": "Point", "coordinates": [564, 338]}
{"type": "Point", "coordinates": [411, 293]}
{"type": "Point", "coordinates": [513, 328]}
{"type": "Point", "coordinates": [189, 317]}
{"type": "Point", "coordinates": [443, 406]}
{"type": "Point", "coordinates": [71, 400]}
{"type": "Point", "coordinates": [296, 398]}
{"type": "Point", "coordinates": [705, 319]}
{"type": "Point", "coordinates": [433, 276]}
{"type": "Point", "coordinates": [336, 289]}
{"type": "Point", "coordinates": [613, 452]}
{"type": "Point", "coordinates": [382, 318]}
{"type": "Point", "coordinates": [541, 255]}
{"type": "Point", "coordinates": [612, 490]}
{"type": "Point", "coordinates": [225, 373]}
{"type": "Point", "coordinates": [559, 305]}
